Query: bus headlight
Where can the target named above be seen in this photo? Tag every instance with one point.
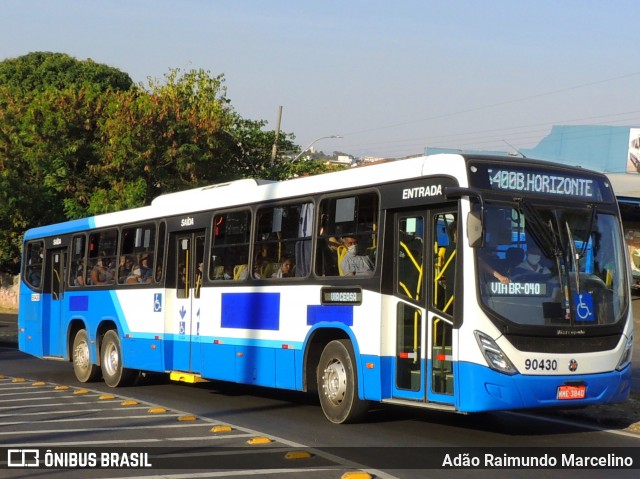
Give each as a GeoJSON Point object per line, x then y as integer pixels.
{"type": "Point", "coordinates": [494, 356]}
{"type": "Point", "coordinates": [625, 359]}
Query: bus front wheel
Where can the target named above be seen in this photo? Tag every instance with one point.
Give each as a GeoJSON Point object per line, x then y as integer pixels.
{"type": "Point", "coordinates": [84, 370]}
{"type": "Point", "coordinates": [111, 362]}
{"type": "Point", "coordinates": [337, 384]}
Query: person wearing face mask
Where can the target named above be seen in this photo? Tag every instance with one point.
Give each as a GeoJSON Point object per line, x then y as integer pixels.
{"type": "Point", "coordinates": [353, 263]}
{"type": "Point", "coordinates": [532, 261]}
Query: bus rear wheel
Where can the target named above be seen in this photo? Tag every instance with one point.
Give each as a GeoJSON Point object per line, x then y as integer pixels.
{"type": "Point", "coordinates": [338, 385]}
{"type": "Point", "coordinates": [111, 362]}
{"type": "Point", "coordinates": [84, 370]}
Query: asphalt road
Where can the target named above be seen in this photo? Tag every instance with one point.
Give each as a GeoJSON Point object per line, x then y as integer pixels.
{"type": "Point", "coordinates": [395, 442]}
{"type": "Point", "coordinates": [8, 337]}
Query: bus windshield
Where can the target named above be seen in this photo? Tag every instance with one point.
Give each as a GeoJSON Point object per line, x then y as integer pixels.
{"type": "Point", "coordinates": [550, 266]}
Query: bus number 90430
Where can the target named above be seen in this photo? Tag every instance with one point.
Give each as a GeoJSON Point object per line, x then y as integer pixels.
{"type": "Point", "coordinates": [541, 364]}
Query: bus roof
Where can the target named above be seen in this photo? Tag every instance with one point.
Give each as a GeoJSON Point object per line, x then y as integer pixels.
{"type": "Point", "coordinates": [246, 191]}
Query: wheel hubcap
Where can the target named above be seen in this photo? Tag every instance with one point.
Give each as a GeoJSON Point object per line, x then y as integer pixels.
{"type": "Point", "coordinates": [81, 355]}
{"type": "Point", "coordinates": [111, 359]}
{"type": "Point", "coordinates": [334, 382]}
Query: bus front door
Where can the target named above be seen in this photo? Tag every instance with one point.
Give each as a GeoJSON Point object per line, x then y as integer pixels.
{"type": "Point", "coordinates": [409, 306]}
{"type": "Point", "coordinates": [423, 303]}
{"type": "Point", "coordinates": [183, 323]}
{"type": "Point", "coordinates": [52, 344]}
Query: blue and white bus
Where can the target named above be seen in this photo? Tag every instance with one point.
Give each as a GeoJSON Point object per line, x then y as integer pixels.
{"type": "Point", "coordinates": [455, 282]}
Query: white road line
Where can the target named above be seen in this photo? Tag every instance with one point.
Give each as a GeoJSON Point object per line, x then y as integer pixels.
{"type": "Point", "coordinates": [43, 398]}
{"type": "Point", "coordinates": [93, 419]}
{"type": "Point", "coordinates": [123, 428]}
{"type": "Point", "coordinates": [71, 411]}
{"type": "Point", "coordinates": [56, 404]}
{"type": "Point", "coordinates": [109, 442]}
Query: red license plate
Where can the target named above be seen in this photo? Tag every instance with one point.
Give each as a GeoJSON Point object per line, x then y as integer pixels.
{"type": "Point", "coordinates": [571, 392]}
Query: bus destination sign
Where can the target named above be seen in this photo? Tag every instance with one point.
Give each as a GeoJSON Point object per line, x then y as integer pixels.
{"type": "Point", "coordinates": [543, 180]}
{"type": "Point", "coordinates": [545, 183]}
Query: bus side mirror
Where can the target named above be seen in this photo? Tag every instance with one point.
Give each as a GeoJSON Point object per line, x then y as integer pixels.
{"type": "Point", "coordinates": [475, 229]}
{"type": "Point", "coordinates": [475, 220]}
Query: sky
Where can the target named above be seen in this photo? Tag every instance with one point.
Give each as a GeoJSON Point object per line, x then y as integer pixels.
{"type": "Point", "coordinates": [389, 77]}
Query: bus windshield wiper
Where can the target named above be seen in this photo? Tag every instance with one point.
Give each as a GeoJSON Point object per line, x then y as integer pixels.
{"type": "Point", "coordinates": [588, 231]}
{"type": "Point", "coordinates": [574, 255]}
{"type": "Point", "coordinates": [543, 234]}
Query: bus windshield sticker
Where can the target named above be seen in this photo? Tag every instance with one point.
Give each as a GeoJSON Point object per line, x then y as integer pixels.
{"type": "Point", "coordinates": [517, 289]}
{"type": "Point", "coordinates": [584, 307]}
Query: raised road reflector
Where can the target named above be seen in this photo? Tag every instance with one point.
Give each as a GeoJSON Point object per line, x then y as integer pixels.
{"type": "Point", "coordinates": [297, 455]}
{"type": "Point", "coordinates": [259, 440]}
{"type": "Point", "coordinates": [221, 429]}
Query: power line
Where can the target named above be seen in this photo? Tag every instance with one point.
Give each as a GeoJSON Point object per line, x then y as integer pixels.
{"type": "Point", "coordinates": [495, 105]}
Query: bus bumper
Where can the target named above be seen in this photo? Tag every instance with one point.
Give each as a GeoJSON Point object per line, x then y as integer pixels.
{"type": "Point", "coordinates": [482, 389]}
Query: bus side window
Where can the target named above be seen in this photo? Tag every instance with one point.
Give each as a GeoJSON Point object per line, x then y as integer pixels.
{"type": "Point", "coordinates": [410, 257]}
{"type": "Point", "coordinates": [445, 232]}
{"type": "Point", "coordinates": [159, 268]}
{"type": "Point", "coordinates": [103, 246]}
{"type": "Point", "coordinates": [352, 220]}
{"type": "Point", "coordinates": [283, 241]}
{"type": "Point", "coordinates": [33, 267]}
{"type": "Point", "coordinates": [77, 276]}
{"type": "Point", "coordinates": [136, 261]}
{"type": "Point", "coordinates": [230, 246]}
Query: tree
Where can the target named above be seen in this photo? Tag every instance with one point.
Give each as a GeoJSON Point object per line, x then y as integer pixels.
{"type": "Point", "coordinates": [79, 139]}
{"type": "Point", "coordinates": [48, 107]}
{"type": "Point", "coordinates": [37, 71]}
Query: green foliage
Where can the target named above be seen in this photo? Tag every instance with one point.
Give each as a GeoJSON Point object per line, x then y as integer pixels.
{"type": "Point", "coordinates": [37, 71]}
{"type": "Point", "coordinates": [79, 139]}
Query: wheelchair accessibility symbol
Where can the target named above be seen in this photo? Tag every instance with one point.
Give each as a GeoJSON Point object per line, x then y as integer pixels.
{"type": "Point", "coordinates": [157, 303]}
{"type": "Point", "coordinates": [584, 307]}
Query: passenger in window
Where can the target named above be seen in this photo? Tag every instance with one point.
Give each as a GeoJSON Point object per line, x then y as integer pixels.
{"type": "Point", "coordinates": [99, 273]}
{"type": "Point", "coordinates": [145, 269]}
{"type": "Point", "coordinates": [328, 250]}
{"type": "Point", "coordinates": [352, 263]}
{"type": "Point", "coordinates": [531, 263]}
{"type": "Point", "coordinates": [199, 274]}
{"type": "Point", "coordinates": [257, 269]}
{"type": "Point", "coordinates": [111, 271]}
{"type": "Point", "coordinates": [158, 273]}
{"type": "Point", "coordinates": [135, 277]}
{"type": "Point", "coordinates": [182, 276]}
{"type": "Point", "coordinates": [124, 269]}
{"type": "Point", "coordinates": [488, 266]}
{"type": "Point", "coordinates": [78, 274]}
{"type": "Point", "coordinates": [285, 270]}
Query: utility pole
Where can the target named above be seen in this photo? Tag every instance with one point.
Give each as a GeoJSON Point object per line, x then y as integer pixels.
{"type": "Point", "coordinates": [274, 150]}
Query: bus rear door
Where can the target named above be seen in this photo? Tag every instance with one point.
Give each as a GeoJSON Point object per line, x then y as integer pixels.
{"type": "Point", "coordinates": [182, 326]}
{"type": "Point", "coordinates": [53, 306]}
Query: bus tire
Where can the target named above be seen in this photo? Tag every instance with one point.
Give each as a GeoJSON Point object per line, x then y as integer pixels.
{"type": "Point", "coordinates": [84, 370]}
{"type": "Point", "coordinates": [113, 373]}
{"type": "Point", "coordinates": [338, 384]}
